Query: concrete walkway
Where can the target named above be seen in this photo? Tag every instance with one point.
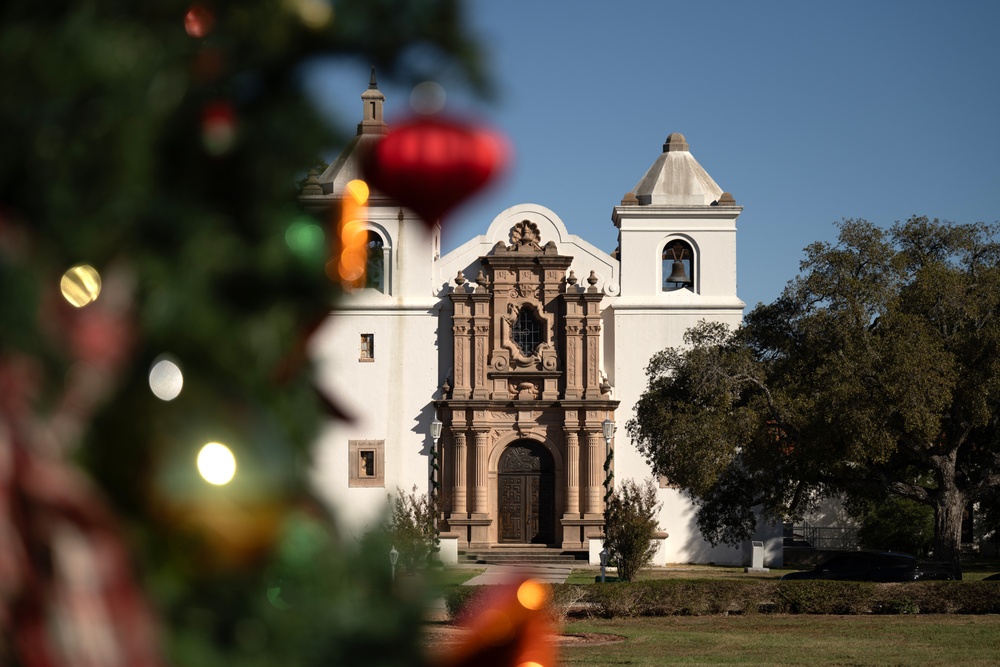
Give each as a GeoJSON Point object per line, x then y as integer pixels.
{"type": "Point", "coordinates": [502, 574]}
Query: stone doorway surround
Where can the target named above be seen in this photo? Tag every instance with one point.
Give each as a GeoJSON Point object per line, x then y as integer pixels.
{"type": "Point", "coordinates": [502, 390]}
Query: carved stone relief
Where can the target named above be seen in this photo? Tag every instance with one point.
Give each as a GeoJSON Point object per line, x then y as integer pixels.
{"type": "Point", "coordinates": [518, 357]}
{"type": "Point", "coordinates": [523, 391]}
{"type": "Point", "coordinates": [525, 233]}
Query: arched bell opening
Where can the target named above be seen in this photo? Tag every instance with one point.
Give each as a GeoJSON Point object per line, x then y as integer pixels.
{"type": "Point", "coordinates": [678, 266]}
{"type": "Point", "coordinates": [526, 494]}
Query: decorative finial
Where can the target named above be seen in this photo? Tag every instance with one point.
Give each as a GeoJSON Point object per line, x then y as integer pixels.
{"type": "Point", "coordinates": [481, 279]}
{"type": "Point", "coordinates": [572, 280]}
{"type": "Point", "coordinates": [312, 187]}
{"type": "Point", "coordinates": [445, 389]}
{"type": "Point", "coordinates": [399, 216]}
{"type": "Point", "coordinates": [675, 142]}
{"type": "Point", "coordinates": [460, 279]}
{"type": "Point", "coordinates": [592, 278]}
{"type": "Point", "coordinates": [371, 84]}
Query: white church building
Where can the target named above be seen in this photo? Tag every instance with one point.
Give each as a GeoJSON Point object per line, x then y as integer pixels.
{"type": "Point", "coordinates": [522, 343]}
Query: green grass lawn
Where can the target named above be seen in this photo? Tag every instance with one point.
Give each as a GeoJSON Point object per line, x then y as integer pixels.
{"type": "Point", "coordinates": [447, 577]}
{"type": "Point", "coordinates": [791, 640]}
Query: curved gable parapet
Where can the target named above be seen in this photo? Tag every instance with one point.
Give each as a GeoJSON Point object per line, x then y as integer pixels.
{"type": "Point", "coordinates": [550, 226]}
{"type": "Point", "coordinates": [549, 229]}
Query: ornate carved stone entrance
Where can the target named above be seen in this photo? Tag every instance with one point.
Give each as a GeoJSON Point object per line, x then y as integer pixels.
{"type": "Point", "coordinates": [526, 503]}
{"type": "Point", "coordinates": [523, 450]}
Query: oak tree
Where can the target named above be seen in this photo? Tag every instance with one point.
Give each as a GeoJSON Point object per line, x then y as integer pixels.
{"type": "Point", "coordinates": [875, 374]}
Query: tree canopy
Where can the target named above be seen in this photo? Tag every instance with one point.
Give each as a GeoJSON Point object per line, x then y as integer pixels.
{"type": "Point", "coordinates": [876, 373]}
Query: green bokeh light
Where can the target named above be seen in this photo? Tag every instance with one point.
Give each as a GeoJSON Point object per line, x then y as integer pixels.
{"type": "Point", "coordinates": [306, 239]}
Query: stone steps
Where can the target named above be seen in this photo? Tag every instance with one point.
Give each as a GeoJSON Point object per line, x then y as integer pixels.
{"type": "Point", "coordinates": [526, 555]}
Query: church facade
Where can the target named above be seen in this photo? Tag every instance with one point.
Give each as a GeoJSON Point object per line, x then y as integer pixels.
{"type": "Point", "coordinates": [528, 345]}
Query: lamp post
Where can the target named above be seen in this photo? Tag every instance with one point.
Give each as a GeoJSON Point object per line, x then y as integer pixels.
{"type": "Point", "coordinates": [393, 557]}
{"type": "Point", "coordinates": [604, 562]}
{"type": "Point", "coordinates": [608, 427]}
{"type": "Point", "coordinates": [435, 431]}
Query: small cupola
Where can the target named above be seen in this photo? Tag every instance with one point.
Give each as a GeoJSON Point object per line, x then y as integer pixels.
{"type": "Point", "coordinates": [372, 121]}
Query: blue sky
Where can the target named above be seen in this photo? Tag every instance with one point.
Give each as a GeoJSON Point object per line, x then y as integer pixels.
{"type": "Point", "coordinates": [807, 112]}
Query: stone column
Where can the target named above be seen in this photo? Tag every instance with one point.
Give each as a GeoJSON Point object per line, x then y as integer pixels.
{"type": "Point", "coordinates": [458, 501]}
{"type": "Point", "coordinates": [480, 503]}
{"type": "Point", "coordinates": [572, 474]}
{"type": "Point", "coordinates": [595, 478]}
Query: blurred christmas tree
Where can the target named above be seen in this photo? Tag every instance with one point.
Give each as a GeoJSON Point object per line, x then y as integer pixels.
{"type": "Point", "coordinates": [150, 151]}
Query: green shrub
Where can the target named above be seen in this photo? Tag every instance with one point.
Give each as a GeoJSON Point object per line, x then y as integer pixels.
{"type": "Point", "coordinates": [411, 529]}
{"type": "Point", "coordinates": [458, 599]}
{"type": "Point", "coordinates": [704, 597]}
{"type": "Point", "coordinates": [895, 524]}
{"type": "Point", "coordinates": [466, 600]}
{"type": "Point", "coordinates": [826, 597]}
{"type": "Point", "coordinates": [629, 527]}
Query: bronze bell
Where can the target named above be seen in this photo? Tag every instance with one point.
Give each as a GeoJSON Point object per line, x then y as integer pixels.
{"type": "Point", "coordinates": [678, 274]}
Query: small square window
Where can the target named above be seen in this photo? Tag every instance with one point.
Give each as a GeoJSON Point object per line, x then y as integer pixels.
{"type": "Point", "coordinates": [366, 463]}
{"type": "Point", "coordinates": [367, 347]}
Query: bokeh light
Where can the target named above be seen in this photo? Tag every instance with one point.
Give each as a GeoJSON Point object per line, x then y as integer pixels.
{"type": "Point", "coordinates": [353, 234]}
{"type": "Point", "coordinates": [497, 627]}
{"type": "Point", "coordinates": [314, 14]}
{"type": "Point", "coordinates": [305, 238]}
{"type": "Point", "coordinates": [533, 594]}
{"type": "Point", "coordinates": [428, 97]}
{"type": "Point", "coordinates": [218, 128]}
{"type": "Point", "coordinates": [198, 21]}
{"type": "Point", "coordinates": [216, 463]}
{"type": "Point", "coordinates": [165, 378]}
{"type": "Point", "coordinates": [274, 597]}
{"type": "Point", "coordinates": [81, 285]}
{"type": "Point", "coordinates": [358, 190]}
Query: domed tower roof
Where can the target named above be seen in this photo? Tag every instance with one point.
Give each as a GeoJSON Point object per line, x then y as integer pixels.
{"type": "Point", "coordinates": [676, 178]}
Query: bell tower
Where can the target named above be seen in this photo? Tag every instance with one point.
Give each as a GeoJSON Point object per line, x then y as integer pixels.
{"type": "Point", "coordinates": [677, 248]}
{"type": "Point", "coordinates": [678, 235]}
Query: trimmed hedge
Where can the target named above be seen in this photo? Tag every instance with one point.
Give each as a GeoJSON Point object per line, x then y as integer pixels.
{"type": "Point", "coordinates": [702, 597]}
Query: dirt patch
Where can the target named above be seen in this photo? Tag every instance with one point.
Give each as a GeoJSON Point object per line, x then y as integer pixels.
{"type": "Point", "coordinates": [439, 636]}
{"type": "Point", "coordinates": [590, 639]}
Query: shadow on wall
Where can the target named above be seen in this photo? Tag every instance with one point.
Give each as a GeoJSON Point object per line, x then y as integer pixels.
{"type": "Point", "coordinates": [696, 549]}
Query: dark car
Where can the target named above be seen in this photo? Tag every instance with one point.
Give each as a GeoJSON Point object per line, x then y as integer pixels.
{"type": "Point", "coordinates": [875, 566]}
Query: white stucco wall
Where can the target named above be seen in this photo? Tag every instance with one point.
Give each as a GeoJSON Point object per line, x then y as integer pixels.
{"type": "Point", "coordinates": [387, 399]}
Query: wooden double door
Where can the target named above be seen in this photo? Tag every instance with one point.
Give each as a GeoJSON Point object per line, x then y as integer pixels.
{"type": "Point", "coordinates": [527, 494]}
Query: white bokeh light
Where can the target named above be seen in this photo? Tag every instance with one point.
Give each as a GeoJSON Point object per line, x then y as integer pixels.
{"type": "Point", "coordinates": [428, 97]}
{"type": "Point", "coordinates": [166, 379]}
{"type": "Point", "coordinates": [216, 463]}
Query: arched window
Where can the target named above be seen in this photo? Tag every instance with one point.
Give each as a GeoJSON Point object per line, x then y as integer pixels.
{"type": "Point", "coordinates": [678, 266]}
{"type": "Point", "coordinates": [375, 267]}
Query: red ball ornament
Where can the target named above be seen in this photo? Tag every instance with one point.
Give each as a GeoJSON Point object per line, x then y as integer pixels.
{"type": "Point", "coordinates": [431, 165]}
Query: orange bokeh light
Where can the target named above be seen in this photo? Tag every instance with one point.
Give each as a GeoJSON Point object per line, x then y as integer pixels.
{"type": "Point", "coordinates": [533, 594]}
{"type": "Point", "coordinates": [352, 235]}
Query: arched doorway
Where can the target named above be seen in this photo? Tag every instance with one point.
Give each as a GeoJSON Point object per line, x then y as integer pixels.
{"type": "Point", "coordinates": [526, 494]}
